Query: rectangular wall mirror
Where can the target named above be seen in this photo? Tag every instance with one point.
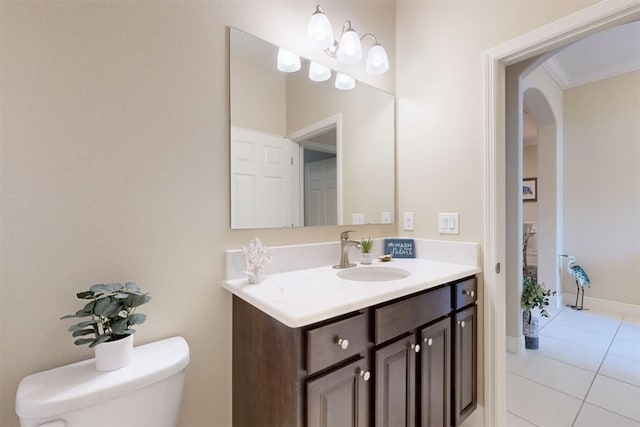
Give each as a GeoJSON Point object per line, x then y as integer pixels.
{"type": "Point", "coordinates": [304, 153]}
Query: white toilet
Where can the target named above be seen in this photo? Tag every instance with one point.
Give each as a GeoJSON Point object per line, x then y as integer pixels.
{"type": "Point", "coordinates": [145, 393]}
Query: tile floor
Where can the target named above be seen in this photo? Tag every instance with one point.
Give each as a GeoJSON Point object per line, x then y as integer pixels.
{"type": "Point", "coordinates": [585, 374]}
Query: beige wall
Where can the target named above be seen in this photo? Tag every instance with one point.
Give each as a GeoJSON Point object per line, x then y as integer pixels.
{"type": "Point", "coordinates": [440, 84]}
{"type": "Point", "coordinates": [602, 186]}
{"type": "Point", "coordinates": [544, 98]}
{"type": "Point", "coordinates": [115, 130]}
{"type": "Point", "coordinates": [260, 105]}
{"type": "Point", "coordinates": [534, 89]}
{"type": "Point", "coordinates": [115, 157]}
{"type": "Point", "coordinates": [366, 158]}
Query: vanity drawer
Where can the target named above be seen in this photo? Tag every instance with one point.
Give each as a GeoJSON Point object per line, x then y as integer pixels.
{"type": "Point", "coordinates": [332, 343]}
{"type": "Point", "coordinates": [403, 316]}
{"type": "Point", "coordinates": [465, 293]}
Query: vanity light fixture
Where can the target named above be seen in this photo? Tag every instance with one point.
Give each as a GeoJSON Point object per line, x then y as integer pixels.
{"type": "Point", "coordinates": [349, 49]}
{"type": "Point", "coordinates": [318, 72]}
{"type": "Point", "coordinates": [288, 62]}
{"type": "Point", "coordinates": [344, 82]}
{"type": "Point", "coordinates": [377, 60]}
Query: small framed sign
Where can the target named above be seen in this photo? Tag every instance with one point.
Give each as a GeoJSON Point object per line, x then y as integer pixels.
{"type": "Point", "coordinates": [400, 248]}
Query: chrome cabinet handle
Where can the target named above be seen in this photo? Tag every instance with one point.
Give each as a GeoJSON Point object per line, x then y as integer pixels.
{"type": "Point", "coordinates": [343, 344]}
{"type": "Point", "coordinates": [366, 375]}
{"type": "Point", "coordinates": [462, 324]}
{"type": "Point", "coordinates": [470, 293]}
{"type": "Point", "coordinates": [415, 347]}
{"type": "Point", "coordinates": [429, 341]}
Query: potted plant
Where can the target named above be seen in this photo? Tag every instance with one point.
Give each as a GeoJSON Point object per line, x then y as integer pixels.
{"type": "Point", "coordinates": [534, 295]}
{"type": "Point", "coordinates": [366, 246]}
{"type": "Point", "coordinates": [111, 314]}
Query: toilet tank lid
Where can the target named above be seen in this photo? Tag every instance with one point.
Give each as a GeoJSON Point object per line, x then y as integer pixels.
{"type": "Point", "coordinates": [79, 385]}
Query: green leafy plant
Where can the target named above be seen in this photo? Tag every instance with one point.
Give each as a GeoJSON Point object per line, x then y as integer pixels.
{"type": "Point", "coordinates": [534, 295]}
{"type": "Point", "coordinates": [366, 245]}
{"type": "Point", "coordinates": [111, 313]}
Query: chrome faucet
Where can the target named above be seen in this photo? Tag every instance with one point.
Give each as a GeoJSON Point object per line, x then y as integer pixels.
{"type": "Point", "coordinates": [345, 243]}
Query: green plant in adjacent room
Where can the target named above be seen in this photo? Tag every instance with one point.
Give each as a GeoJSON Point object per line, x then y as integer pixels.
{"type": "Point", "coordinates": [110, 311]}
{"type": "Point", "coordinates": [534, 295]}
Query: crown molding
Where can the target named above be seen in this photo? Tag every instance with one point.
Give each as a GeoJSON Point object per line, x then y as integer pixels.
{"type": "Point", "coordinates": [557, 72]}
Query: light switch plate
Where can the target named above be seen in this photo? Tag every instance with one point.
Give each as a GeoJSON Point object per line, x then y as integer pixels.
{"type": "Point", "coordinates": [385, 218]}
{"type": "Point", "coordinates": [449, 223]}
{"type": "Point", "coordinates": [357, 218]}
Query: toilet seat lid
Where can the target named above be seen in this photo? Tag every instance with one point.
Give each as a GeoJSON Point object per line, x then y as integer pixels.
{"type": "Point", "coordinates": [79, 385]}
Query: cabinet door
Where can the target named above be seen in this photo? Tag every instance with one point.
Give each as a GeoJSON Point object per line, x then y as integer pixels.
{"type": "Point", "coordinates": [435, 376]}
{"type": "Point", "coordinates": [340, 398]}
{"type": "Point", "coordinates": [465, 360]}
{"type": "Point", "coordinates": [395, 374]}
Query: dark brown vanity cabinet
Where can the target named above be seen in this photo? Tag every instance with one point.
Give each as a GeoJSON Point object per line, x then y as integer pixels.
{"type": "Point", "coordinates": [413, 372]}
{"type": "Point", "coordinates": [395, 383]}
{"type": "Point", "coordinates": [413, 377]}
{"type": "Point", "coordinates": [405, 362]}
{"type": "Point", "coordinates": [340, 397]}
{"type": "Point", "coordinates": [435, 375]}
{"type": "Point", "coordinates": [465, 351]}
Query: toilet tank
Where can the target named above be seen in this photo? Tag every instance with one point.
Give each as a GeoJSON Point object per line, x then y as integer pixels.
{"type": "Point", "coordinates": [147, 392]}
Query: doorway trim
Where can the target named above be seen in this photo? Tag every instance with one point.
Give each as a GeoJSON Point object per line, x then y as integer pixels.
{"type": "Point", "coordinates": [557, 34]}
{"type": "Point", "coordinates": [307, 132]}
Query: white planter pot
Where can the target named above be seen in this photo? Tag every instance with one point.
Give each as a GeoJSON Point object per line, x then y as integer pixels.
{"type": "Point", "coordinates": [530, 331]}
{"type": "Point", "coordinates": [114, 355]}
{"type": "Point", "coordinates": [365, 258]}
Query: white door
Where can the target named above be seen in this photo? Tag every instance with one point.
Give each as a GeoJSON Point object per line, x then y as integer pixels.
{"type": "Point", "coordinates": [260, 180]}
{"type": "Point", "coordinates": [320, 193]}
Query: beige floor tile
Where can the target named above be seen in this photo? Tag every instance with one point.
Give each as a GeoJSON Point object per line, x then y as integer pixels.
{"type": "Point", "coordinates": [615, 396]}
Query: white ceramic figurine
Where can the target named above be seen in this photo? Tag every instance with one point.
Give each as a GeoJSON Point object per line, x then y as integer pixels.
{"type": "Point", "coordinates": [256, 260]}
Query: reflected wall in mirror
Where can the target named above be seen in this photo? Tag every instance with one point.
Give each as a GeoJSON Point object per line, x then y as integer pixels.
{"type": "Point", "coordinates": [304, 153]}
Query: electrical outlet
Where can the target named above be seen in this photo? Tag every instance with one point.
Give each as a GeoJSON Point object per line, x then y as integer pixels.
{"type": "Point", "coordinates": [385, 218]}
{"type": "Point", "coordinates": [408, 221]}
{"type": "Point", "coordinates": [357, 218]}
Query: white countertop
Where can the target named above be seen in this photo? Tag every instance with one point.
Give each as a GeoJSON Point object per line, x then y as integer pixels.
{"type": "Point", "coordinates": [302, 297]}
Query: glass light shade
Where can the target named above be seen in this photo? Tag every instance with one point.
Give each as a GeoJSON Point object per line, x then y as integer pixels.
{"type": "Point", "coordinates": [344, 82]}
{"type": "Point", "coordinates": [350, 49]}
{"type": "Point", "coordinates": [318, 72]}
{"type": "Point", "coordinates": [319, 34]}
{"type": "Point", "coordinates": [288, 62]}
{"type": "Point", "coordinates": [377, 60]}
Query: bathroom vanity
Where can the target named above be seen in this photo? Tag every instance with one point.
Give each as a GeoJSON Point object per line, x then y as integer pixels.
{"type": "Point", "coordinates": [342, 353]}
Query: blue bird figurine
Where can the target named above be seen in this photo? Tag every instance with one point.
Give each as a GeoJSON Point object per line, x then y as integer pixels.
{"type": "Point", "coordinates": [581, 278]}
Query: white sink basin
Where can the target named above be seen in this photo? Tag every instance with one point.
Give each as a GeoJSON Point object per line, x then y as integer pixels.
{"type": "Point", "coordinates": [373, 274]}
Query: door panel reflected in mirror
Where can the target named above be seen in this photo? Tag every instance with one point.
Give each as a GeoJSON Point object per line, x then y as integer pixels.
{"type": "Point", "coordinates": [304, 153]}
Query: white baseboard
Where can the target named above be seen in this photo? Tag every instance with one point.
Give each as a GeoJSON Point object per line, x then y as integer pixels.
{"type": "Point", "coordinates": [515, 345]}
{"type": "Point", "coordinates": [604, 305]}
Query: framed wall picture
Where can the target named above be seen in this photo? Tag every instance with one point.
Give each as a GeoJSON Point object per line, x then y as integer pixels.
{"type": "Point", "coordinates": [530, 189]}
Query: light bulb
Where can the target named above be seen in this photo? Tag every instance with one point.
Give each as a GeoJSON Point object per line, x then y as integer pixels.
{"type": "Point", "coordinates": [288, 62]}
{"type": "Point", "coordinates": [318, 72]}
{"type": "Point", "coordinates": [344, 82]}
{"type": "Point", "coordinates": [350, 48]}
{"type": "Point", "coordinates": [377, 60]}
{"type": "Point", "coordinates": [319, 33]}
